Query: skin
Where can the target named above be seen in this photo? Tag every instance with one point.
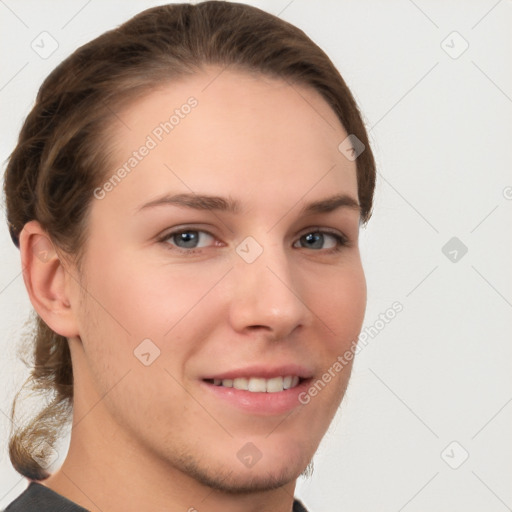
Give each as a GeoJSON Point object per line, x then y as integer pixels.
{"type": "Point", "coordinates": [149, 437]}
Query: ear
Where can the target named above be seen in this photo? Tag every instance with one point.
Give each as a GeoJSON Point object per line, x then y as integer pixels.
{"type": "Point", "coordinates": [47, 280]}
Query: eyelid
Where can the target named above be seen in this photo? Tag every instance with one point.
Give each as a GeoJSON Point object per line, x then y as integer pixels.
{"type": "Point", "coordinates": [177, 230]}
{"type": "Point", "coordinates": [321, 229]}
{"type": "Point", "coordinates": [342, 239]}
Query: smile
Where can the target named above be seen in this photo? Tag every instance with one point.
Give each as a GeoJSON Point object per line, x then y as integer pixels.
{"type": "Point", "coordinates": [258, 384]}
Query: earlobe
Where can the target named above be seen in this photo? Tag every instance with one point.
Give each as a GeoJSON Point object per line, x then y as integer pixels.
{"type": "Point", "coordinates": [45, 279]}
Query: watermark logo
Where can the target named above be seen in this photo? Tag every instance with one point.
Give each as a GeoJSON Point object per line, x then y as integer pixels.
{"type": "Point", "coordinates": [454, 249]}
{"type": "Point", "coordinates": [454, 45]}
{"type": "Point", "coordinates": [152, 140]}
{"type": "Point", "coordinates": [249, 455]}
{"type": "Point", "coordinates": [45, 45]}
{"type": "Point", "coordinates": [455, 455]}
{"type": "Point", "coordinates": [44, 454]}
{"type": "Point", "coordinates": [355, 347]}
{"type": "Point", "coordinates": [43, 250]}
{"type": "Point", "coordinates": [249, 249]}
{"type": "Point", "coordinates": [146, 352]}
{"type": "Point", "coordinates": [351, 147]}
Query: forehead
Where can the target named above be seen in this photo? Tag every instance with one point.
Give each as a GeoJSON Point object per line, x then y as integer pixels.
{"type": "Point", "coordinates": [227, 132]}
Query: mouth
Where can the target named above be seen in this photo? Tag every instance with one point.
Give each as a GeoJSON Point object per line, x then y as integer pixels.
{"type": "Point", "coordinates": [259, 384]}
{"type": "Point", "coordinates": [260, 390]}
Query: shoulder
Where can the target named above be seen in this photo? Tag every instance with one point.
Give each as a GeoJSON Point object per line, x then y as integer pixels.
{"type": "Point", "coordinates": [297, 506]}
{"type": "Point", "coordinates": [38, 498]}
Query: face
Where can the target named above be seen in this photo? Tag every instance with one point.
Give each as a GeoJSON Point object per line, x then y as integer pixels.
{"type": "Point", "coordinates": [208, 320]}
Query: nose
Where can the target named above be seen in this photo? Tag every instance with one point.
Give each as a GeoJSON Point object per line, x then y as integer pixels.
{"type": "Point", "coordinates": [266, 295]}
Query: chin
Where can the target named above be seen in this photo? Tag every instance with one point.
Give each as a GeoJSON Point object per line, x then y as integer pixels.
{"type": "Point", "coordinates": [232, 477]}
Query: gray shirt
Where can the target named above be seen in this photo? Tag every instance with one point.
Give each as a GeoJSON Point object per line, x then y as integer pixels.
{"type": "Point", "coordinates": [39, 498]}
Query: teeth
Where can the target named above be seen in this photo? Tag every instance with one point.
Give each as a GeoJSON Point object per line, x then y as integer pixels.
{"type": "Point", "coordinates": [258, 384]}
{"type": "Point", "coordinates": [274, 385]}
{"type": "Point", "coordinates": [241, 383]}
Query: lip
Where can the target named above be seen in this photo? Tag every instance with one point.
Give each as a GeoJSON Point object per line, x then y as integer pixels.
{"type": "Point", "coordinates": [264, 372]}
{"type": "Point", "coordinates": [261, 404]}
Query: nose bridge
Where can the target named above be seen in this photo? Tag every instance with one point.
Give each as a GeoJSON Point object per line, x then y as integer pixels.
{"type": "Point", "coordinates": [266, 292]}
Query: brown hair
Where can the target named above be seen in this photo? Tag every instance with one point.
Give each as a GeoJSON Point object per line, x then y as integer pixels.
{"type": "Point", "coordinates": [63, 147]}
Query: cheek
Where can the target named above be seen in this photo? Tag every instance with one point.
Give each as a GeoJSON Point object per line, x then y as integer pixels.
{"type": "Point", "coordinates": [137, 299]}
{"type": "Point", "coordinates": [340, 309]}
{"type": "Point", "coordinates": [127, 303]}
{"type": "Point", "coordinates": [146, 298]}
{"type": "Point", "coordinates": [340, 304]}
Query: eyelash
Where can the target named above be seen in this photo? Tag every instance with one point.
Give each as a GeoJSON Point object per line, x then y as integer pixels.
{"type": "Point", "coordinates": [341, 241]}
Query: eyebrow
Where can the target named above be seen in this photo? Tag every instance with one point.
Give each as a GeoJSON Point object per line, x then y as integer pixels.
{"type": "Point", "coordinates": [230, 205]}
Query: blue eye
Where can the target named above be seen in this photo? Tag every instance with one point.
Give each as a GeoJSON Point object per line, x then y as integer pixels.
{"type": "Point", "coordinates": [187, 238]}
{"type": "Point", "coordinates": [190, 241]}
{"type": "Point", "coordinates": [316, 240]}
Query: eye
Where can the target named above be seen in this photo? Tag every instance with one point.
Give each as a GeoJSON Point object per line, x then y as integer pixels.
{"type": "Point", "coordinates": [317, 240]}
{"type": "Point", "coordinates": [187, 239]}
{"type": "Point", "coordinates": [190, 241]}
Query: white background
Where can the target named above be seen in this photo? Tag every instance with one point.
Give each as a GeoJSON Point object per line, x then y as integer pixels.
{"type": "Point", "coordinates": [441, 132]}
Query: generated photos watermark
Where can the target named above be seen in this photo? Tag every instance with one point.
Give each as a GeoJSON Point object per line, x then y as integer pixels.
{"type": "Point", "coordinates": [367, 334]}
{"type": "Point", "coordinates": [157, 135]}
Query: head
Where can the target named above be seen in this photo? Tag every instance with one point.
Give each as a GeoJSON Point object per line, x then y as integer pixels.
{"type": "Point", "coordinates": [187, 215]}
